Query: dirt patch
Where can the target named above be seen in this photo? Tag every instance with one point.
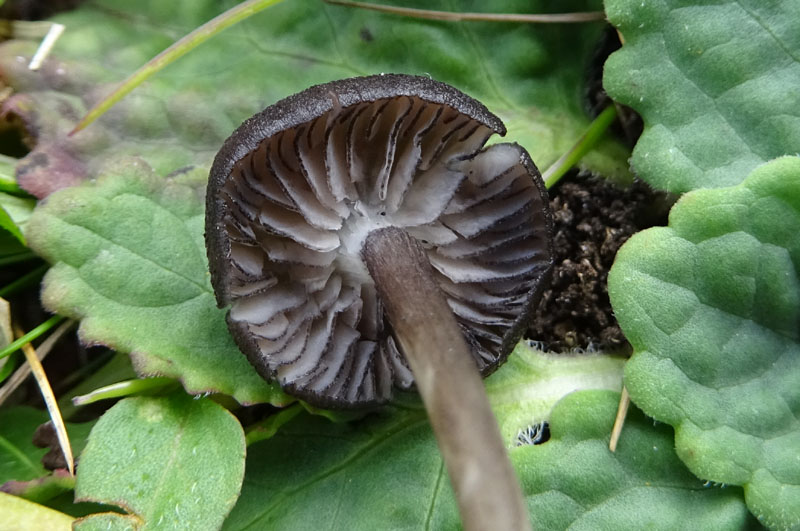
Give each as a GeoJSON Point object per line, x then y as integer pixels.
{"type": "Point", "coordinates": [593, 218]}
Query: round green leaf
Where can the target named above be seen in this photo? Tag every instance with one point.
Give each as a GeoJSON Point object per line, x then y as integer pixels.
{"type": "Point", "coordinates": [715, 82]}
{"type": "Point", "coordinates": [711, 305]}
{"type": "Point", "coordinates": [575, 482]}
{"type": "Point", "coordinates": [129, 261]}
{"type": "Point", "coordinates": [172, 462]}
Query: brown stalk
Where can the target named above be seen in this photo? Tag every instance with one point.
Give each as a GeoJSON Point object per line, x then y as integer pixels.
{"type": "Point", "coordinates": [452, 16]}
{"type": "Point", "coordinates": [487, 490]}
{"type": "Point", "coordinates": [619, 421]}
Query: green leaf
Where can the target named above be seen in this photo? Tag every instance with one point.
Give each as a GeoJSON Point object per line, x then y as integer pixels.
{"type": "Point", "coordinates": [172, 462]}
{"type": "Point", "coordinates": [16, 513]}
{"type": "Point", "coordinates": [14, 213]}
{"type": "Point", "coordinates": [8, 183]}
{"type": "Point", "coordinates": [108, 522]}
{"type": "Point", "coordinates": [531, 76]}
{"type": "Point", "coordinates": [574, 481]}
{"type": "Point", "coordinates": [19, 459]}
{"type": "Point", "coordinates": [129, 260]}
{"type": "Point", "coordinates": [523, 391]}
{"type": "Point", "coordinates": [711, 305]}
{"type": "Point", "coordinates": [313, 471]}
{"type": "Point", "coordinates": [715, 82]}
{"type": "Point", "coordinates": [43, 489]}
{"type": "Point", "coordinates": [65, 503]}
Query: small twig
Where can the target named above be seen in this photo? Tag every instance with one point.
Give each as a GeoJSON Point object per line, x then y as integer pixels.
{"type": "Point", "coordinates": [46, 45]}
{"type": "Point", "coordinates": [622, 411]}
{"type": "Point", "coordinates": [50, 402]}
{"type": "Point", "coordinates": [22, 372]}
{"type": "Point", "coordinates": [451, 16]}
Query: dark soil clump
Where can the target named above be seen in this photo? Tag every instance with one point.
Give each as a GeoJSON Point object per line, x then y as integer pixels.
{"type": "Point", "coordinates": [593, 218]}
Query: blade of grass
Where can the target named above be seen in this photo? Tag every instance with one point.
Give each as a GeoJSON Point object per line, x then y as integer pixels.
{"type": "Point", "coordinates": [174, 52]}
{"type": "Point", "coordinates": [50, 402]}
{"type": "Point", "coordinates": [584, 144]}
{"type": "Point", "coordinates": [126, 388]}
{"type": "Point", "coordinates": [6, 336]}
{"type": "Point", "coordinates": [9, 365]}
{"type": "Point", "coordinates": [28, 279]}
{"type": "Point", "coordinates": [8, 224]}
{"type": "Point", "coordinates": [104, 368]}
{"type": "Point", "coordinates": [453, 16]}
{"type": "Point", "coordinates": [44, 349]}
{"type": "Point", "coordinates": [17, 257]}
{"type": "Point", "coordinates": [30, 336]}
{"type": "Point", "coordinates": [8, 182]}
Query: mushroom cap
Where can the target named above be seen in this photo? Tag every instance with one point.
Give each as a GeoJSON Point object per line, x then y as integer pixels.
{"type": "Point", "coordinates": [294, 192]}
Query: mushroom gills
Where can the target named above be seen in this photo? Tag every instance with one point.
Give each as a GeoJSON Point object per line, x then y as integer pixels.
{"type": "Point", "coordinates": [297, 206]}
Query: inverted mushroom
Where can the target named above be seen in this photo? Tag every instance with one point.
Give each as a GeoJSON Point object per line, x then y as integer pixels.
{"type": "Point", "coordinates": [366, 240]}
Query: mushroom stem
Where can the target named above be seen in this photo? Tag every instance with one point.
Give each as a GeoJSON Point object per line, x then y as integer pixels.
{"type": "Point", "coordinates": [447, 377]}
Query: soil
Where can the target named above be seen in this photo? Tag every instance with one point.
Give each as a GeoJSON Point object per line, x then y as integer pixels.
{"type": "Point", "coordinates": [592, 219]}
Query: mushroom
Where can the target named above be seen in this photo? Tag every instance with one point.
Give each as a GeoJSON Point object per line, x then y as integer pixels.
{"type": "Point", "coordinates": [366, 240]}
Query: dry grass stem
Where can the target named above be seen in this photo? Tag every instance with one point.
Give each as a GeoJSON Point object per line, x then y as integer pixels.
{"type": "Point", "coordinates": [47, 394]}
{"type": "Point", "coordinates": [452, 16]}
{"type": "Point", "coordinates": [622, 411]}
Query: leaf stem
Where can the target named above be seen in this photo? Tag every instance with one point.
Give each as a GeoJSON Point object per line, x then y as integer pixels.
{"type": "Point", "coordinates": [454, 16]}
{"type": "Point", "coordinates": [30, 336]}
{"type": "Point", "coordinates": [127, 388]}
{"type": "Point", "coordinates": [178, 49]}
{"type": "Point", "coordinates": [268, 427]}
{"type": "Point", "coordinates": [24, 281]}
{"type": "Point", "coordinates": [584, 144]}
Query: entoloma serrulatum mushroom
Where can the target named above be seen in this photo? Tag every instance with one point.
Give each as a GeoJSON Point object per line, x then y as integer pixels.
{"type": "Point", "coordinates": [366, 241]}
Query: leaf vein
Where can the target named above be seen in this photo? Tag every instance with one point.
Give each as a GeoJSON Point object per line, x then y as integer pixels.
{"type": "Point", "coordinates": [157, 265]}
